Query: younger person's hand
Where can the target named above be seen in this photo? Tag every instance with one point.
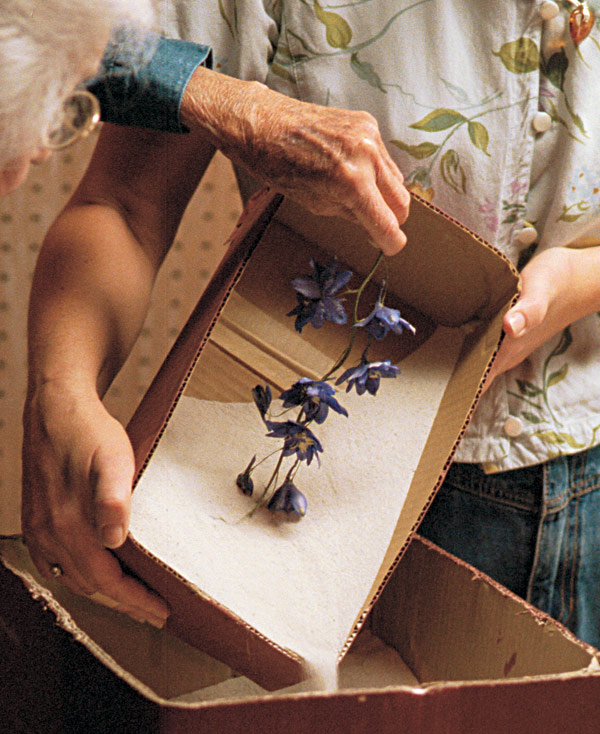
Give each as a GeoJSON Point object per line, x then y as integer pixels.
{"type": "Point", "coordinates": [77, 472]}
{"type": "Point", "coordinates": [559, 286]}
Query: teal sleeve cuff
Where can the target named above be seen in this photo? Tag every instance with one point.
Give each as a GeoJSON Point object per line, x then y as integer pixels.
{"type": "Point", "coordinates": [144, 88]}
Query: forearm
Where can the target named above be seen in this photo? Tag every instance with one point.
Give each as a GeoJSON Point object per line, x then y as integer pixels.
{"type": "Point", "coordinates": [97, 266]}
{"type": "Point", "coordinates": [223, 109]}
{"type": "Point", "coordinates": [89, 299]}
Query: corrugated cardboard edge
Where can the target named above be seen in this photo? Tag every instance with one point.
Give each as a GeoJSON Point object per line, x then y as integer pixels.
{"type": "Point", "coordinates": [202, 621]}
{"type": "Point", "coordinates": [195, 617]}
{"type": "Point", "coordinates": [44, 597]}
{"type": "Point", "coordinates": [503, 644]}
{"type": "Point", "coordinates": [148, 423]}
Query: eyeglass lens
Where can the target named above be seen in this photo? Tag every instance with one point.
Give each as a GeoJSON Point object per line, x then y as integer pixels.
{"type": "Point", "coordinates": [81, 114]}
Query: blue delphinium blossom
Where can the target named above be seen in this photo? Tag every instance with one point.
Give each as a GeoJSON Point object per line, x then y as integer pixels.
{"type": "Point", "coordinates": [315, 294]}
{"type": "Point", "coordinates": [289, 499]}
{"type": "Point", "coordinates": [366, 376]}
{"type": "Point", "coordinates": [383, 319]}
{"type": "Point", "coordinates": [244, 480]}
{"type": "Point", "coordinates": [298, 439]}
{"type": "Point", "coordinates": [315, 397]}
{"type": "Point", "coordinates": [262, 398]}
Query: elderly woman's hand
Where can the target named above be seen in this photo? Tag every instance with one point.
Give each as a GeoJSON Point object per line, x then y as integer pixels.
{"type": "Point", "coordinates": [78, 468]}
{"type": "Point", "coordinates": [333, 162]}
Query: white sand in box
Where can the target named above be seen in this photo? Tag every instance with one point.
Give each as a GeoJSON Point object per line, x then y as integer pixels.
{"type": "Point", "coordinates": [300, 584]}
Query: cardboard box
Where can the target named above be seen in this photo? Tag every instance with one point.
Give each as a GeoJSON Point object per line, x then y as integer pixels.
{"type": "Point", "coordinates": [381, 465]}
{"type": "Point", "coordinates": [428, 645]}
{"type": "Point", "coordinates": [471, 657]}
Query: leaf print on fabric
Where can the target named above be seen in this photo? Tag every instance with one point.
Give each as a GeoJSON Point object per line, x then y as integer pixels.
{"type": "Point", "coordinates": [421, 151]}
{"type": "Point", "coordinates": [520, 57]}
{"type": "Point", "coordinates": [531, 417]}
{"type": "Point", "coordinates": [577, 121]}
{"type": "Point", "coordinates": [566, 339]}
{"type": "Point", "coordinates": [282, 72]}
{"type": "Point", "coordinates": [337, 29]}
{"type": "Point", "coordinates": [228, 23]}
{"type": "Point", "coordinates": [529, 389]}
{"type": "Point", "coordinates": [555, 68]}
{"type": "Point", "coordinates": [440, 119]}
{"type": "Point", "coordinates": [456, 91]}
{"type": "Point", "coordinates": [569, 216]}
{"type": "Point", "coordinates": [452, 171]}
{"type": "Point", "coordinates": [552, 110]}
{"type": "Point", "coordinates": [552, 437]}
{"type": "Point", "coordinates": [419, 183]}
{"type": "Point", "coordinates": [479, 135]}
{"type": "Point", "coordinates": [531, 393]}
{"type": "Point", "coordinates": [515, 207]}
{"type": "Point", "coordinates": [555, 71]}
{"type": "Point", "coordinates": [364, 70]}
{"type": "Point", "coordinates": [514, 211]}
{"type": "Point", "coordinates": [558, 376]}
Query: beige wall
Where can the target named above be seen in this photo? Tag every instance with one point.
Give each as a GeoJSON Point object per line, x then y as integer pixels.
{"type": "Point", "coordinates": [24, 217]}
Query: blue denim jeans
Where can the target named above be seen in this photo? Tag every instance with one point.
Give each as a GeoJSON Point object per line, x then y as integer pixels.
{"type": "Point", "coordinates": [535, 530]}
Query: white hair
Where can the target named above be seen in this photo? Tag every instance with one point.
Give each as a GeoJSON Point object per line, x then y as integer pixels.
{"type": "Point", "coordinates": [47, 47]}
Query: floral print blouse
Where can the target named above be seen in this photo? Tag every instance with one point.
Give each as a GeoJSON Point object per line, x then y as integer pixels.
{"type": "Point", "coordinates": [490, 111]}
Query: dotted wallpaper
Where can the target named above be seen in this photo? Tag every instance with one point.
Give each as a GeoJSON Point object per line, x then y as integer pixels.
{"type": "Point", "coordinates": [24, 218]}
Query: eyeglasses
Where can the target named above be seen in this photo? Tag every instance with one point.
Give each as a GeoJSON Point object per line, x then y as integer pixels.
{"type": "Point", "coordinates": [80, 116]}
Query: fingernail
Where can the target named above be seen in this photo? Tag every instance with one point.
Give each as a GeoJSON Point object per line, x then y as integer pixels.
{"type": "Point", "coordinates": [112, 535]}
{"type": "Point", "coordinates": [516, 321]}
{"type": "Point", "coordinates": [157, 622]}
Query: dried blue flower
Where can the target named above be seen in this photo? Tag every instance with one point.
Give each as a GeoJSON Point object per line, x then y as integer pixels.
{"type": "Point", "coordinates": [262, 397]}
{"type": "Point", "coordinates": [367, 375]}
{"type": "Point", "coordinates": [315, 397]}
{"type": "Point", "coordinates": [289, 499]}
{"type": "Point", "coordinates": [298, 439]}
{"type": "Point", "coordinates": [383, 319]}
{"type": "Point", "coordinates": [244, 480]}
{"type": "Point", "coordinates": [315, 294]}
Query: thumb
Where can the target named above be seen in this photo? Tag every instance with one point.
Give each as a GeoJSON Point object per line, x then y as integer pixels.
{"type": "Point", "coordinates": [112, 476]}
{"type": "Point", "coordinates": [531, 308]}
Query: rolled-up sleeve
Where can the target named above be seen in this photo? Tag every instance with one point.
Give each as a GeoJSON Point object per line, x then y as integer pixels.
{"type": "Point", "coordinates": [144, 87]}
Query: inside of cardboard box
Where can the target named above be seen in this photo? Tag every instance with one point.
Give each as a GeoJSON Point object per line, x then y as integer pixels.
{"type": "Point", "coordinates": [302, 585]}
{"type": "Point", "coordinates": [438, 620]}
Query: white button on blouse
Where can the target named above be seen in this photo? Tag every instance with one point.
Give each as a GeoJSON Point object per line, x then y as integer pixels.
{"type": "Point", "coordinates": [528, 235]}
{"type": "Point", "coordinates": [513, 426]}
{"type": "Point", "coordinates": [548, 10]}
{"type": "Point", "coordinates": [541, 122]}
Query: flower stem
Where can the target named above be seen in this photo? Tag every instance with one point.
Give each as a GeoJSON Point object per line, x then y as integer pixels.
{"type": "Point", "coordinates": [359, 291]}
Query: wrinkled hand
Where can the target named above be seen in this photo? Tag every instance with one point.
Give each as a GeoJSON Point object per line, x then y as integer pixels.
{"type": "Point", "coordinates": [331, 161]}
{"type": "Point", "coordinates": [77, 472]}
{"type": "Point", "coordinates": [547, 304]}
